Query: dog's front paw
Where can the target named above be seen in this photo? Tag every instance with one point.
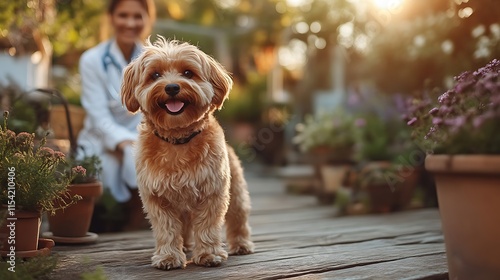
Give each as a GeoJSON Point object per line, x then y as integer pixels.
{"type": "Point", "coordinates": [209, 259]}
{"type": "Point", "coordinates": [168, 261]}
{"type": "Point", "coordinates": [243, 247]}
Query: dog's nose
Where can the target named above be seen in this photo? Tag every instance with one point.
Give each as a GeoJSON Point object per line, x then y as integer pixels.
{"type": "Point", "coordinates": [172, 89]}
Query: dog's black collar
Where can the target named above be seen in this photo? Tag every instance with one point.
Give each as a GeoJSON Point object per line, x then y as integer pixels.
{"type": "Point", "coordinates": [177, 141]}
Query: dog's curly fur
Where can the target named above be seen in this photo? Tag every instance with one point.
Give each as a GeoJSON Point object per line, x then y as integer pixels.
{"type": "Point", "coordinates": [187, 190]}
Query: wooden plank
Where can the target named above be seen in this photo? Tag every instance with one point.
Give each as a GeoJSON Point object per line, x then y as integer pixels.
{"type": "Point", "coordinates": [432, 267]}
{"type": "Point", "coordinates": [286, 263]}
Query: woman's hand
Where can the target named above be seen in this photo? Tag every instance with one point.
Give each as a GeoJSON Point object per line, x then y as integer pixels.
{"type": "Point", "coordinates": [122, 145]}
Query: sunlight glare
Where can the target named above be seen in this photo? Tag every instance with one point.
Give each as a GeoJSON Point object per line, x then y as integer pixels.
{"type": "Point", "coordinates": [388, 4]}
{"type": "Point", "coordinates": [296, 3]}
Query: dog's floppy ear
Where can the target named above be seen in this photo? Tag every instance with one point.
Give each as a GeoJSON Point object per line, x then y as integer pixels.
{"type": "Point", "coordinates": [220, 80]}
{"type": "Point", "coordinates": [131, 76]}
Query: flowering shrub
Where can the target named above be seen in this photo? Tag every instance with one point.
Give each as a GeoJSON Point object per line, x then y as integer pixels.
{"type": "Point", "coordinates": [328, 130]}
{"type": "Point", "coordinates": [465, 119]}
{"type": "Point", "coordinates": [38, 184]}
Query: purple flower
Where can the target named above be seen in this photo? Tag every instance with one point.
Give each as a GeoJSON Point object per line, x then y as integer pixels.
{"type": "Point", "coordinates": [437, 121]}
{"type": "Point", "coordinates": [495, 100]}
{"type": "Point", "coordinates": [433, 111]}
{"type": "Point", "coordinates": [412, 121]}
{"type": "Point", "coordinates": [360, 122]}
{"type": "Point", "coordinates": [463, 76]}
{"type": "Point", "coordinates": [461, 113]}
{"type": "Point", "coordinates": [444, 98]}
{"type": "Point", "coordinates": [478, 121]}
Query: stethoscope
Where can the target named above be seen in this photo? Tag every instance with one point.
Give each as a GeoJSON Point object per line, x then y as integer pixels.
{"type": "Point", "coordinates": [107, 60]}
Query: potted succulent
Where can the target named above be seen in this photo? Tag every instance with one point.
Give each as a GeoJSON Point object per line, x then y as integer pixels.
{"type": "Point", "coordinates": [462, 129]}
{"type": "Point", "coordinates": [34, 185]}
{"type": "Point", "coordinates": [72, 223]}
{"type": "Point", "coordinates": [328, 140]}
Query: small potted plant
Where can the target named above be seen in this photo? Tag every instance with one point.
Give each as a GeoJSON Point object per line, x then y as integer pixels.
{"type": "Point", "coordinates": [387, 173]}
{"type": "Point", "coordinates": [462, 129]}
{"type": "Point", "coordinates": [372, 184]}
{"type": "Point", "coordinates": [328, 140]}
{"type": "Point", "coordinates": [34, 185]}
{"type": "Point", "coordinates": [71, 225]}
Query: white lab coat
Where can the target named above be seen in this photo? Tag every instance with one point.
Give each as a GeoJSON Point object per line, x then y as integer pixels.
{"type": "Point", "coordinates": [107, 122]}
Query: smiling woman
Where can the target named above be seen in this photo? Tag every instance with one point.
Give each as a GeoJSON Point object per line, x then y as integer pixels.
{"type": "Point", "coordinates": [130, 19]}
{"type": "Point", "coordinates": [110, 130]}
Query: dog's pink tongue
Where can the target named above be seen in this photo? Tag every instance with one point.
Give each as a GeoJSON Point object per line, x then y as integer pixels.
{"type": "Point", "coordinates": [174, 106]}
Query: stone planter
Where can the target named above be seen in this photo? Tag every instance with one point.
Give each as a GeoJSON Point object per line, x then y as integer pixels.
{"type": "Point", "coordinates": [468, 188]}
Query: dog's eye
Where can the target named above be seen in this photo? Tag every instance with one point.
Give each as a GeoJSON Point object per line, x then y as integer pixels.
{"type": "Point", "coordinates": [155, 75]}
{"type": "Point", "coordinates": [188, 74]}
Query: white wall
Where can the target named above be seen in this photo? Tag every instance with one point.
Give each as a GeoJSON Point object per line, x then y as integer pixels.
{"type": "Point", "coordinates": [28, 71]}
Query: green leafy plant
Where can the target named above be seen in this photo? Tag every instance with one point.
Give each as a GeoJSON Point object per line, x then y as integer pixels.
{"type": "Point", "coordinates": [33, 170]}
{"type": "Point", "coordinates": [381, 139]}
{"type": "Point", "coordinates": [326, 130]}
{"type": "Point", "coordinates": [376, 175]}
{"type": "Point", "coordinates": [463, 120]}
{"type": "Point", "coordinates": [38, 267]}
{"type": "Point", "coordinates": [373, 139]}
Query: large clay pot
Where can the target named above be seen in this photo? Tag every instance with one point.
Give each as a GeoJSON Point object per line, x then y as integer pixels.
{"type": "Point", "coordinates": [74, 221]}
{"type": "Point", "coordinates": [468, 189]}
{"type": "Point", "coordinates": [27, 229]}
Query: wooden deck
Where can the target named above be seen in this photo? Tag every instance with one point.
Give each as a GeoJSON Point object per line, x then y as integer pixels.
{"type": "Point", "coordinates": [295, 239]}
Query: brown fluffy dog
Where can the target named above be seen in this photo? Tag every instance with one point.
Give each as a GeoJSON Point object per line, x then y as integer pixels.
{"type": "Point", "coordinates": [189, 180]}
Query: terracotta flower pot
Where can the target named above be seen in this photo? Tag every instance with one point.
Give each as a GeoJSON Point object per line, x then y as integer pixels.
{"type": "Point", "coordinates": [468, 189]}
{"type": "Point", "coordinates": [332, 178]}
{"type": "Point", "coordinates": [406, 189]}
{"type": "Point", "coordinates": [27, 230]}
{"type": "Point", "coordinates": [74, 221]}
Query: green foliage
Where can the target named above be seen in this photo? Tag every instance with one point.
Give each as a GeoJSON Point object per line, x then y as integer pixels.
{"type": "Point", "coordinates": [329, 130]}
{"type": "Point", "coordinates": [245, 103]}
{"type": "Point", "coordinates": [381, 139]}
{"type": "Point", "coordinates": [76, 25]}
{"type": "Point", "coordinates": [69, 25]}
{"type": "Point", "coordinates": [39, 186]}
{"type": "Point", "coordinates": [34, 268]}
{"type": "Point", "coordinates": [373, 139]}
{"type": "Point", "coordinates": [97, 274]}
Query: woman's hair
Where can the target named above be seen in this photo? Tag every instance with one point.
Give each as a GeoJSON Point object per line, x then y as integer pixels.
{"type": "Point", "coordinates": [149, 6]}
